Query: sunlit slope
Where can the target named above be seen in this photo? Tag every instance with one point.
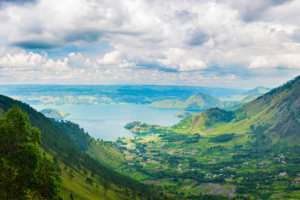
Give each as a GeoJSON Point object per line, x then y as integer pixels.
{"type": "Point", "coordinates": [205, 120]}
{"type": "Point", "coordinates": [266, 110]}
{"type": "Point", "coordinates": [80, 190]}
{"type": "Point", "coordinates": [287, 130]}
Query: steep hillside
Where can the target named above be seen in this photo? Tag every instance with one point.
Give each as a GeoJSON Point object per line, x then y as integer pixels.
{"type": "Point", "coordinates": [286, 131]}
{"type": "Point", "coordinates": [203, 122]}
{"type": "Point", "coordinates": [68, 156]}
{"type": "Point", "coordinates": [277, 106]}
{"type": "Point", "coordinates": [101, 151]}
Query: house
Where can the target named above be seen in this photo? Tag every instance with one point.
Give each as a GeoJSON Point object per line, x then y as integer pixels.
{"type": "Point", "coordinates": [282, 174]}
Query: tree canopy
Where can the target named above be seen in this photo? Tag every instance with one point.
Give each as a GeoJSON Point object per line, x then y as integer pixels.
{"type": "Point", "coordinates": [24, 172]}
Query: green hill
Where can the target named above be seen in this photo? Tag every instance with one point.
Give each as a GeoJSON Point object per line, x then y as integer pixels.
{"type": "Point", "coordinates": [69, 158]}
{"type": "Point", "coordinates": [196, 102]}
{"type": "Point", "coordinates": [276, 106]}
{"type": "Point", "coordinates": [140, 127]}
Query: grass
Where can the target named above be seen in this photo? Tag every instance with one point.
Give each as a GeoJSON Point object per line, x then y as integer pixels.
{"type": "Point", "coordinates": [79, 188]}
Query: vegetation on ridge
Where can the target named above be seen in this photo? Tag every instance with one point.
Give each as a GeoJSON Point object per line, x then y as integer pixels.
{"type": "Point", "coordinates": [74, 166]}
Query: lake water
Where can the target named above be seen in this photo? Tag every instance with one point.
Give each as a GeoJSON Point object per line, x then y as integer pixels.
{"type": "Point", "coordinates": [108, 121]}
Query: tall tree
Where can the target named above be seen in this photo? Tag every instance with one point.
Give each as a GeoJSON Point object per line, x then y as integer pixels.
{"type": "Point", "coordinates": [89, 181]}
{"type": "Point", "coordinates": [70, 174]}
{"type": "Point", "coordinates": [106, 186]}
{"type": "Point", "coordinates": [24, 172]}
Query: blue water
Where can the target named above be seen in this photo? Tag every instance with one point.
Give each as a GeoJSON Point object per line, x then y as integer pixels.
{"type": "Point", "coordinates": [107, 122]}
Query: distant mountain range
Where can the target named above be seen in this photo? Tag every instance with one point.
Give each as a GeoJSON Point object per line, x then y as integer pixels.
{"type": "Point", "coordinates": [202, 101]}
{"type": "Point", "coordinates": [256, 91]}
{"type": "Point", "coordinates": [107, 94]}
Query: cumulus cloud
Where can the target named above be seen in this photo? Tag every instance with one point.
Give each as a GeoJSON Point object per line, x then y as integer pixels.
{"type": "Point", "coordinates": [280, 61]}
{"type": "Point", "coordinates": [220, 40]}
{"type": "Point", "coordinates": [190, 65]}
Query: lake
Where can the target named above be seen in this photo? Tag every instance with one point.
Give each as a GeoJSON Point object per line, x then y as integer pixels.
{"type": "Point", "coordinates": [108, 121]}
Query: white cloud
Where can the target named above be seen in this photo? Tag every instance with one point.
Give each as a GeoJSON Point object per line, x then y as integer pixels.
{"type": "Point", "coordinates": [280, 61]}
{"type": "Point", "coordinates": [21, 60]}
{"type": "Point", "coordinates": [213, 37]}
{"type": "Point", "coordinates": [110, 58]}
{"type": "Point", "coordinates": [192, 64]}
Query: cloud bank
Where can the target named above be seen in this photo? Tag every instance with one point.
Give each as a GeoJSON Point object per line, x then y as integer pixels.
{"type": "Point", "coordinates": [232, 43]}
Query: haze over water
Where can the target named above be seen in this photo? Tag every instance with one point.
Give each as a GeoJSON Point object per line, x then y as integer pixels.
{"type": "Point", "coordinates": [108, 121]}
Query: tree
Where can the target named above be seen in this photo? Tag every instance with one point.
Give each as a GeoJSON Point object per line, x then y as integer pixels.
{"type": "Point", "coordinates": [70, 174]}
{"type": "Point", "coordinates": [71, 196]}
{"type": "Point", "coordinates": [24, 172]}
{"type": "Point", "coordinates": [106, 186]}
{"type": "Point", "coordinates": [89, 181]}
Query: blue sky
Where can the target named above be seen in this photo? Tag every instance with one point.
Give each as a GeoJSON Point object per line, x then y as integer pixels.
{"type": "Point", "coordinates": [217, 43]}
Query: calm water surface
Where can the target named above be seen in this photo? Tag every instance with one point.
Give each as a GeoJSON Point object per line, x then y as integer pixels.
{"type": "Point", "coordinates": [107, 122]}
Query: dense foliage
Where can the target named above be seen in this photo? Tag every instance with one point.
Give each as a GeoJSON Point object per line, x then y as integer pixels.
{"type": "Point", "coordinates": [222, 138]}
{"type": "Point", "coordinates": [24, 172]}
{"type": "Point", "coordinates": [77, 134]}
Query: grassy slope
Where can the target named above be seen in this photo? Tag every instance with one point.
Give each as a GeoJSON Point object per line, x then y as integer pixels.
{"type": "Point", "coordinates": [266, 110]}
{"type": "Point", "coordinates": [55, 141]}
{"type": "Point", "coordinates": [79, 189]}
{"type": "Point", "coordinates": [106, 154]}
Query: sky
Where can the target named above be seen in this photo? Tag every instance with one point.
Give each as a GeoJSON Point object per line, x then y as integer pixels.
{"type": "Point", "coordinates": [213, 43]}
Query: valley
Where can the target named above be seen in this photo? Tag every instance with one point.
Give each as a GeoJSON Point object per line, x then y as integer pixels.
{"type": "Point", "coordinates": [249, 152]}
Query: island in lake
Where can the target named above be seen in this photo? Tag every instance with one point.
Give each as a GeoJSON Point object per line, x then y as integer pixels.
{"type": "Point", "coordinates": [140, 127]}
{"type": "Point", "coordinates": [54, 113]}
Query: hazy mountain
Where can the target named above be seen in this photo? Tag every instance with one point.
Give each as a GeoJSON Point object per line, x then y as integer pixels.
{"type": "Point", "coordinates": [256, 91]}
{"type": "Point", "coordinates": [107, 94]}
